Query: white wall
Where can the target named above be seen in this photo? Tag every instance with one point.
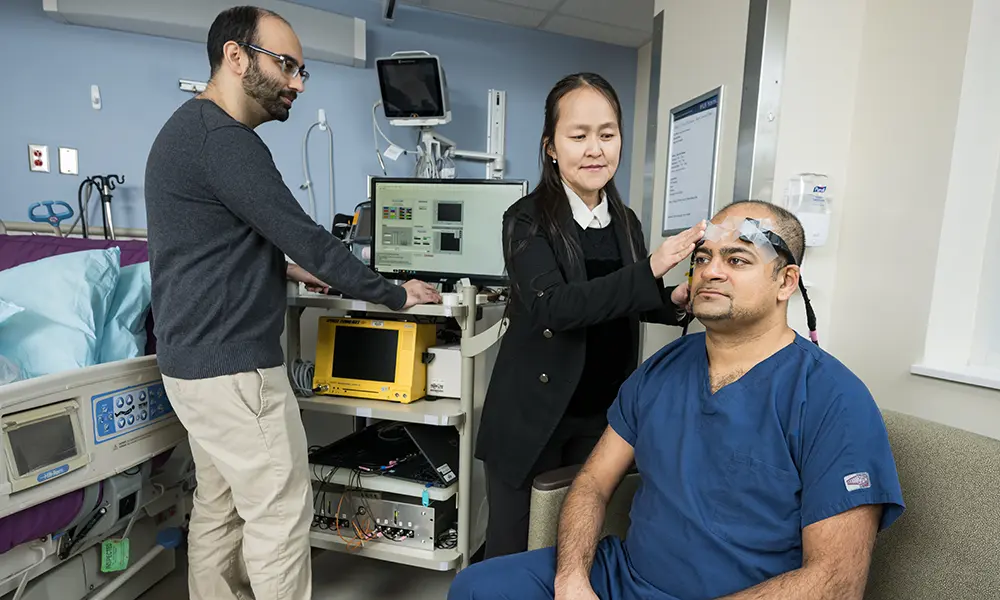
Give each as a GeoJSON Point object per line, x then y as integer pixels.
{"type": "Point", "coordinates": [908, 95]}
{"type": "Point", "coordinates": [817, 110]}
{"type": "Point", "coordinates": [717, 29]}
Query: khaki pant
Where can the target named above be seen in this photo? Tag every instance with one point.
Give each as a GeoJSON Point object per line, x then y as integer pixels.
{"type": "Point", "coordinates": [253, 505]}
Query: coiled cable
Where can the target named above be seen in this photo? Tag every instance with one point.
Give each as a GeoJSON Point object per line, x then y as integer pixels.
{"type": "Point", "coordinates": [302, 377]}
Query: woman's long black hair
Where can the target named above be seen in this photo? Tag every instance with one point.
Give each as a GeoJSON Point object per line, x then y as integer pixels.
{"type": "Point", "coordinates": [552, 205]}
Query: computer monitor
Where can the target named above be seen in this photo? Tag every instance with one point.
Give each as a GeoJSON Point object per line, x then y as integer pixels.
{"type": "Point", "coordinates": [441, 230]}
{"type": "Point", "coordinates": [414, 89]}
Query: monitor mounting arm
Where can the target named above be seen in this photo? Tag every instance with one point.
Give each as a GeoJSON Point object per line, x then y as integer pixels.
{"type": "Point", "coordinates": [436, 145]}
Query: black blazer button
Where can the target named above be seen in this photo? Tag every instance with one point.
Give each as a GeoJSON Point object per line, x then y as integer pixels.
{"type": "Point", "coordinates": [540, 294]}
{"type": "Point", "coordinates": [543, 378]}
{"type": "Point", "coordinates": [547, 333]}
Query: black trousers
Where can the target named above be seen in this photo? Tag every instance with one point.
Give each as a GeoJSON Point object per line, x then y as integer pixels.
{"type": "Point", "coordinates": [507, 530]}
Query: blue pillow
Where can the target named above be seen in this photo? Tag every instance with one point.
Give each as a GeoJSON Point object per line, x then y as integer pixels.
{"type": "Point", "coordinates": [125, 329]}
{"type": "Point", "coordinates": [65, 300]}
{"type": "Point", "coordinates": [8, 310]}
{"type": "Point", "coordinates": [9, 372]}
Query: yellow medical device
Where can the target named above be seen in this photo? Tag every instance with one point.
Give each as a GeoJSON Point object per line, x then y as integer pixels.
{"type": "Point", "coordinates": [377, 360]}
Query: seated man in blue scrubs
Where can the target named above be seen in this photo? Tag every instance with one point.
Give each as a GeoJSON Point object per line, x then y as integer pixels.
{"type": "Point", "coordinates": [765, 465]}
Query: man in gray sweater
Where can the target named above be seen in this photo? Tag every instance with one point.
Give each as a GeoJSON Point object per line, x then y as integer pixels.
{"type": "Point", "coordinates": [220, 222]}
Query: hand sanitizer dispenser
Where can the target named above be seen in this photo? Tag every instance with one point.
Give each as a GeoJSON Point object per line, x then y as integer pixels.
{"type": "Point", "coordinates": [807, 196]}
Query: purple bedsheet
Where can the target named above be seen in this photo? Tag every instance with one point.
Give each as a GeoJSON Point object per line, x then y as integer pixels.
{"type": "Point", "coordinates": [39, 521]}
{"type": "Point", "coordinates": [19, 249]}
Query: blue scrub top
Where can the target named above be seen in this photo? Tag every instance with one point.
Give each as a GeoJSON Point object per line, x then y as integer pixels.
{"type": "Point", "coordinates": [729, 480]}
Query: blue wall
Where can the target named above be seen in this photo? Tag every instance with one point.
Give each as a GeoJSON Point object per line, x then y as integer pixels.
{"type": "Point", "coordinates": [47, 100]}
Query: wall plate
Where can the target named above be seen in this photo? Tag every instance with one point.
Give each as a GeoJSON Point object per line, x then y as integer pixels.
{"type": "Point", "coordinates": [69, 163]}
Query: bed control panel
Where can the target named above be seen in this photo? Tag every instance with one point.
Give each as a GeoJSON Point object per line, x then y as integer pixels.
{"type": "Point", "coordinates": [124, 411]}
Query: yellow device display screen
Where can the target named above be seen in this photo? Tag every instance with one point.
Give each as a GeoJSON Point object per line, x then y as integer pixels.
{"type": "Point", "coordinates": [378, 360]}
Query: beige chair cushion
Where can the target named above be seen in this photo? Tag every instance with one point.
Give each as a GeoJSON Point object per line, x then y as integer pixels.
{"type": "Point", "coordinates": [547, 494]}
{"type": "Point", "coordinates": [947, 543]}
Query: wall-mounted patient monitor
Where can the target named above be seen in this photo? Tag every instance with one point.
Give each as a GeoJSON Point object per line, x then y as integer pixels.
{"type": "Point", "coordinates": [441, 230]}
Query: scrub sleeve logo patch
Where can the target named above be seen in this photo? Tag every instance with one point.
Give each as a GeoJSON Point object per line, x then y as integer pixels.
{"type": "Point", "coordinates": [857, 481]}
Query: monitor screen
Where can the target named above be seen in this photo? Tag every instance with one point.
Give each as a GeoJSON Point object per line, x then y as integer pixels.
{"type": "Point", "coordinates": [441, 230]}
{"type": "Point", "coordinates": [376, 363]}
{"type": "Point", "coordinates": [44, 443]}
{"type": "Point", "coordinates": [411, 87]}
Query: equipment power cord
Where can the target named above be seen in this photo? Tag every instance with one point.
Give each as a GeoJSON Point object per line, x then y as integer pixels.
{"type": "Point", "coordinates": [377, 131]}
{"type": "Point", "coordinates": [308, 185]}
{"type": "Point", "coordinates": [83, 195]}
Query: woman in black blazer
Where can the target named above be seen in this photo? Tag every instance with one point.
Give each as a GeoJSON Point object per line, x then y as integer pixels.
{"type": "Point", "coordinates": [581, 280]}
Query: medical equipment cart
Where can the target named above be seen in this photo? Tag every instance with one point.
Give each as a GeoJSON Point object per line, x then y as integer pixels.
{"type": "Point", "coordinates": [481, 325]}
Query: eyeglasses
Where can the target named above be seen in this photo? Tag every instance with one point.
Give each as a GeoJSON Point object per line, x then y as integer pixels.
{"type": "Point", "coordinates": [289, 66]}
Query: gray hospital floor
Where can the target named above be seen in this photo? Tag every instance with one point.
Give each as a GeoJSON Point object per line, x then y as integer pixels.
{"type": "Point", "coordinates": [341, 577]}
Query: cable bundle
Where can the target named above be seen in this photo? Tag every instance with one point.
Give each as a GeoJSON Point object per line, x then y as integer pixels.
{"type": "Point", "coordinates": [355, 529]}
{"type": "Point", "coordinates": [448, 540]}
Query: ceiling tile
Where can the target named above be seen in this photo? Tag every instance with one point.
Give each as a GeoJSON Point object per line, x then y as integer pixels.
{"type": "Point", "coordinates": [631, 14]}
{"type": "Point", "coordinates": [596, 31]}
{"type": "Point", "coordinates": [493, 11]}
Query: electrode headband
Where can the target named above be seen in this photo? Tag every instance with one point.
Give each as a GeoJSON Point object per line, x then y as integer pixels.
{"type": "Point", "coordinates": [759, 232]}
{"type": "Point", "coordinates": [769, 245]}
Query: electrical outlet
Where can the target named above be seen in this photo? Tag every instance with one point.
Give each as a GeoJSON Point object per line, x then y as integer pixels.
{"type": "Point", "coordinates": [69, 163]}
{"type": "Point", "coordinates": [38, 158]}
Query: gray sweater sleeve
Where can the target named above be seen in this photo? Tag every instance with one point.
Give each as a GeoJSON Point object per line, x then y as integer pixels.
{"type": "Point", "coordinates": [243, 177]}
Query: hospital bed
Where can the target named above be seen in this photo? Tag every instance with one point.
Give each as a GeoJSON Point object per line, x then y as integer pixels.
{"type": "Point", "coordinates": [88, 457]}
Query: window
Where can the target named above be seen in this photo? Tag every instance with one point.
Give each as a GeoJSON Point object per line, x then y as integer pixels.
{"type": "Point", "coordinates": [963, 334]}
{"type": "Point", "coordinates": [986, 343]}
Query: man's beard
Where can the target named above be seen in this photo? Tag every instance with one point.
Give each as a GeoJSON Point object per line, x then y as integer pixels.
{"type": "Point", "coordinates": [714, 315]}
{"type": "Point", "coordinates": [720, 314]}
{"type": "Point", "coordinates": [267, 92]}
